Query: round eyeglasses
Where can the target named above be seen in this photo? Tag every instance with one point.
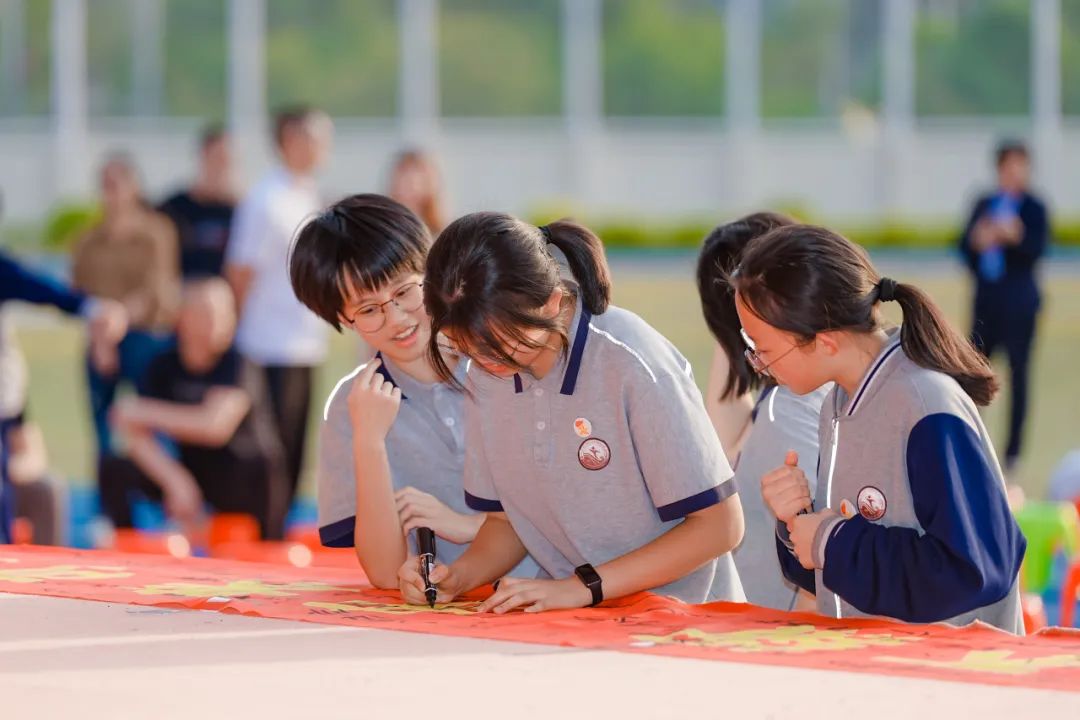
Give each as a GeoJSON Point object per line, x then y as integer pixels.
{"type": "Point", "coordinates": [371, 317]}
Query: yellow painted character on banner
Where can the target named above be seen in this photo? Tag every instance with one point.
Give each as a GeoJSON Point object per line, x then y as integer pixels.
{"type": "Point", "coordinates": [786, 639]}
{"type": "Point", "coordinates": [62, 572]}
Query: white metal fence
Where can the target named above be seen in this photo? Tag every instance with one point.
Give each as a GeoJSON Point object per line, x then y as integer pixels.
{"type": "Point", "coordinates": [887, 163]}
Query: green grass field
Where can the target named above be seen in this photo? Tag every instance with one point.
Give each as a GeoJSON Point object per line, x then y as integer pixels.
{"type": "Point", "coordinates": [58, 395]}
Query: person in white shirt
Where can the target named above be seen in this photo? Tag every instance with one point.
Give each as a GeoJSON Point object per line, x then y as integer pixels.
{"type": "Point", "coordinates": [276, 332]}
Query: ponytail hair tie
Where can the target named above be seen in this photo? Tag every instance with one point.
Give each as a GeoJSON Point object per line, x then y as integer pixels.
{"type": "Point", "coordinates": [555, 253]}
{"type": "Point", "coordinates": [886, 288]}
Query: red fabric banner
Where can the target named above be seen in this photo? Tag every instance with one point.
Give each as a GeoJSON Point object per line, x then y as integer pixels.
{"type": "Point", "coordinates": [642, 623]}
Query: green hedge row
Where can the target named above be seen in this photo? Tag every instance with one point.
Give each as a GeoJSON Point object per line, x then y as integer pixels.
{"type": "Point", "coordinates": [64, 225]}
{"type": "Point", "coordinates": [898, 235]}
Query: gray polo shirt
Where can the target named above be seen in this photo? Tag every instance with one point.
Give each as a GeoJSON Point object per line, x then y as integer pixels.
{"type": "Point", "coordinates": [425, 448]}
{"type": "Point", "coordinates": [610, 450]}
{"type": "Point", "coordinates": [782, 421]}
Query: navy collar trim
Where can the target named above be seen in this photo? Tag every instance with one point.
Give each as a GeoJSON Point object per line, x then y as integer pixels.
{"type": "Point", "coordinates": [762, 397]}
{"type": "Point", "coordinates": [895, 345]}
{"type": "Point", "coordinates": [385, 372]}
{"type": "Point", "coordinates": [573, 364]}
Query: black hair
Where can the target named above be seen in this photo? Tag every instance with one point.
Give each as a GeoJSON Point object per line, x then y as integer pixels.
{"type": "Point", "coordinates": [1008, 147]}
{"type": "Point", "coordinates": [720, 255]}
{"type": "Point", "coordinates": [367, 238]}
{"type": "Point", "coordinates": [805, 280]}
{"type": "Point", "coordinates": [489, 273]}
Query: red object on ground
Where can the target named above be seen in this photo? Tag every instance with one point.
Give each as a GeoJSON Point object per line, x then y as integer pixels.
{"type": "Point", "coordinates": [641, 623]}
{"type": "Point", "coordinates": [1034, 613]}
{"type": "Point", "coordinates": [306, 534]}
{"type": "Point", "coordinates": [1069, 590]}
{"type": "Point", "coordinates": [232, 528]}
{"type": "Point", "coordinates": [322, 556]}
{"type": "Point", "coordinates": [22, 531]}
{"type": "Point", "coordinates": [131, 540]}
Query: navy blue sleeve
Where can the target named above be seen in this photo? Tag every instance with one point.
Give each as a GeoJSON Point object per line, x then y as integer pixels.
{"type": "Point", "coordinates": [1036, 231]}
{"type": "Point", "coordinates": [479, 504]}
{"type": "Point", "coordinates": [790, 565]}
{"type": "Point", "coordinates": [971, 258]}
{"type": "Point", "coordinates": [340, 534]}
{"type": "Point", "coordinates": [968, 557]}
{"type": "Point", "coordinates": [18, 283]}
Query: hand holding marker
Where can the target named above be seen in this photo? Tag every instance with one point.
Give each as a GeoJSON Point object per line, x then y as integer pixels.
{"type": "Point", "coordinates": [425, 541]}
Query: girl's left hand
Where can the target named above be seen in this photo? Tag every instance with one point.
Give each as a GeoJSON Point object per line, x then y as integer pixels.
{"type": "Point", "coordinates": [802, 529]}
{"type": "Point", "coordinates": [417, 508]}
{"type": "Point", "coordinates": [537, 595]}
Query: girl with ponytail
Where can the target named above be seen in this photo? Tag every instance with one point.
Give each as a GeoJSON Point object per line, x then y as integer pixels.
{"type": "Point", "coordinates": [588, 445]}
{"type": "Point", "coordinates": [909, 519]}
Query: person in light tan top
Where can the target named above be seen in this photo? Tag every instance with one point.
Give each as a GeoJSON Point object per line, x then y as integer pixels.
{"type": "Point", "coordinates": [131, 256]}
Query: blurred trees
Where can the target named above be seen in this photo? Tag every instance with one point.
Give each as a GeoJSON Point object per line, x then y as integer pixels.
{"type": "Point", "coordinates": [974, 58]}
{"type": "Point", "coordinates": [503, 57]}
{"type": "Point", "coordinates": [500, 57]}
{"type": "Point", "coordinates": [341, 55]}
{"type": "Point", "coordinates": [663, 58]}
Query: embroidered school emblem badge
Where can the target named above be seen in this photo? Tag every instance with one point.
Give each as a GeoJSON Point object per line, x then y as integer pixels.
{"type": "Point", "coordinates": [872, 503]}
{"type": "Point", "coordinates": [582, 427]}
{"type": "Point", "coordinates": [594, 454]}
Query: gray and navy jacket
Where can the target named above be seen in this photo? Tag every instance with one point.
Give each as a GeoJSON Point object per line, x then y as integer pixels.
{"type": "Point", "coordinates": [924, 532]}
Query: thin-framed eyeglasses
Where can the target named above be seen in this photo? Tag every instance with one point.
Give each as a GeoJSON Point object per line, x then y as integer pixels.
{"type": "Point", "coordinates": [511, 351]}
{"type": "Point", "coordinates": [760, 366]}
{"type": "Point", "coordinates": [371, 317]}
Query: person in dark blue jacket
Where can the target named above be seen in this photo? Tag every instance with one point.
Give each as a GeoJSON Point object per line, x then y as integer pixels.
{"type": "Point", "coordinates": [107, 322]}
{"type": "Point", "coordinates": [1003, 240]}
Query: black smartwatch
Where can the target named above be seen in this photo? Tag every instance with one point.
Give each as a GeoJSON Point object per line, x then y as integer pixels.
{"type": "Point", "coordinates": [587, 574]}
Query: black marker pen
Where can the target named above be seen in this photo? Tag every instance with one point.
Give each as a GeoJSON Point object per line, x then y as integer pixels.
{"type": "Point", "coordinates": [425, 541]}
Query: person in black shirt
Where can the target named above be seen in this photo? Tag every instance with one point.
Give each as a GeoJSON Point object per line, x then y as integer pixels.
{"type": "Point", "coordinates": [203, 213]}
{"type": "Point", "coordinates": [1006, 234]}
{"type": "Point", "coordinates": [204, 397]}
